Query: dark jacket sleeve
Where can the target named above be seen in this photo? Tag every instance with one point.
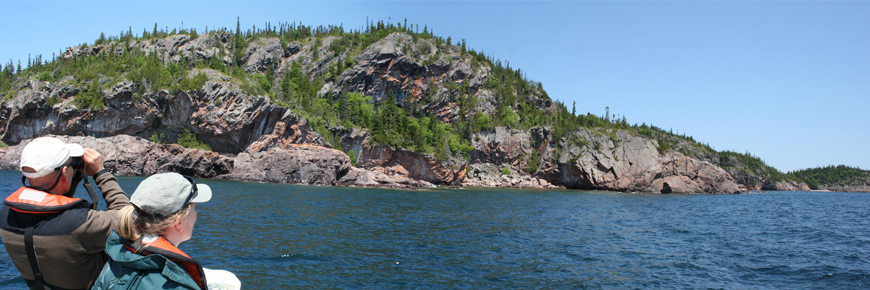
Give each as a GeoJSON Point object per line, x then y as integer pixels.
{"type": "Point", "coordinates": [115, 197]}
{"type": "Point", "coordinates": [95, 231]}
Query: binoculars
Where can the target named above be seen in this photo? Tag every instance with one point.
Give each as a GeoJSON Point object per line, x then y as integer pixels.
{"type": "Point", "coordinates": [77, 163]}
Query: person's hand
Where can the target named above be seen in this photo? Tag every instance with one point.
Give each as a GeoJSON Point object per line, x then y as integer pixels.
{"type": "Point", "coordinates": [93, 161]}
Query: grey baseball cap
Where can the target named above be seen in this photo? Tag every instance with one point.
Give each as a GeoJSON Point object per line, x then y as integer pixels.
{"type": "Point", "coordinates": [167, 193]}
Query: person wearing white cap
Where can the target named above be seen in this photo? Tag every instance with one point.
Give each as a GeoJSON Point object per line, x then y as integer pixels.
{"type": "Point", "coordinates": [55, 240]}
{"type": "Point", "coordinates": [144, 253]}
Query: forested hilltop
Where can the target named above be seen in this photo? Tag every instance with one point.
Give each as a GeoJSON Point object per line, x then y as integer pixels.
{"type": "Point", "coordinates": [834, 178]}
{"type": "Point", "coordinates": [396, 84]}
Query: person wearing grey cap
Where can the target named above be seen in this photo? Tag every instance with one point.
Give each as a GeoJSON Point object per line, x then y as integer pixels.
{"type": "Point", "coordinates": [144, 253]}
{"type": "Point", "coordinates": [55, 240]}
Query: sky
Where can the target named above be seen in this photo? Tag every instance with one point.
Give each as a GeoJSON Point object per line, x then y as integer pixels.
{"type": "Point", "coordinates": [787, 81]}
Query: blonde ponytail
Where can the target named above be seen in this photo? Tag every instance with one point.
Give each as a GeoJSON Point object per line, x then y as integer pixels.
{"type": "Point", "coordinates": [127, 223]}
{"type": "Point", "coordinates": [131, 225]}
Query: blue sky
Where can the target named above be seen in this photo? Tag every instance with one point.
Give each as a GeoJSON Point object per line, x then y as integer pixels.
{"type": "Point", "coordinates": [786, 81]}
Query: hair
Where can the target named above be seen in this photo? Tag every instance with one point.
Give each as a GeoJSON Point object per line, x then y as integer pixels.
{"type": "Point", "coordinates": [131, 225]}
{"type": "Point", "coordinates": [48, 179]}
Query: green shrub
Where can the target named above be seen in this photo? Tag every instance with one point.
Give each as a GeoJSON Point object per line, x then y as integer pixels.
{"type": "Point", "coordinates": [813, 184]}
{"type": "Point", "coordinates": [190, 84]}
{"type": "Point", "coordinates": [352, 157]}
{"type": "Point", "coordinates": [91, 98]}
{"type": "Point", "coordinates": [45, 76]}
{"type": "Point", "coordinates": [646, 132]}
{"type": "Point", "coordinates": [532, 165]}
{"type": "Point", "coordinates": [3, 144]}
{"type": "Point", "coordinates": [156, 138]}
{"type": "Point", "coordinates": [457, 146]}
{"type": "Point", "coordinates": [663, 146]}
{"type": "Point", "coordinates": [189, 140]}
{"type": "Point", "coordinates": [264, 83]}
{"type": "Point", "coordinates": [573, 160]}
{"type": "Point", "coordinates": [11, 94]}
{"type": "Point", "coordinates": [53, 100]}
{"type": "Point", "coordinates": [506, 171]}
{"type": "Point", "coordinates": [579, 141]}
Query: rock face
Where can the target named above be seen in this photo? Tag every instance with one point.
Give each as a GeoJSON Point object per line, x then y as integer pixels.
{"type": "Point", "coordinates": [219, 114]}
{"type": "Point", "coordinates": [687, 175]}
{"type": "Point", "coordinates": [491, 175]}
{"type": "Point", "coordinates": [502, 146]}
{"type": "Point", "coordinates": [397, 165]}
{"type": "Point", "coordinates": [396, 64]}
{"type": "Point", "coordinates": [414, 165]}
{"type": "Point", "coordinates": [263, 54]}
{"type": "Point", "coordinates": [296, 164]}
{"type": "Point", "coordinates": [255, 139]}
{"type": "Point", "coordinates": [622, 162]}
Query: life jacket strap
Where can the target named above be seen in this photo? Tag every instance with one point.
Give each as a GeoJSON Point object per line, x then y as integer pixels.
{"type": "Point", "coordinates": [39, 283]}
{"type": "Point", "coordinates": [94, 198]}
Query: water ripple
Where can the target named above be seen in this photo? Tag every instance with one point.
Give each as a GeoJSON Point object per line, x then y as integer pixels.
{"type": "Point", "coordinates": [281, 236]}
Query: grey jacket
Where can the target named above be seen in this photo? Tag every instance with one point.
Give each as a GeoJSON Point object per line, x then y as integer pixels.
{"type": "Point", "coordinates": [69, 243]}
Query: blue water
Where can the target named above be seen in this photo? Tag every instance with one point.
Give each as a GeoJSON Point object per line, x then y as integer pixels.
{"type": "Point", "coordinates": [284, 236]}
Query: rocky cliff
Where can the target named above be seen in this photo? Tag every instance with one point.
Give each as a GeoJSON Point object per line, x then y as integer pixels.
{"type": "Point", "coordinates": [257, 137]}
{"type": "Point", "coordinates": [218, 113]}
{"type": "Point", "coordinates": [603, 160]}
{"type": "Point", "coordinates": [296, 164]}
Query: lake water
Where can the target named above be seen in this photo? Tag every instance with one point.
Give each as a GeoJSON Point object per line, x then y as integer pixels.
{"type": "Point", "coordinates": [285, 236]}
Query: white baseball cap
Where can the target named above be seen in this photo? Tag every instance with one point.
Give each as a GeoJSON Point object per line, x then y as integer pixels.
{"type": "Point", "coordinates": [167, 193]}
{"type": "Point", "coordinates": [45, 155]}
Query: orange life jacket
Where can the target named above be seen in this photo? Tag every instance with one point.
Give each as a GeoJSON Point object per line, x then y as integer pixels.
{"type": "Point", "coordinates": [28, 200]}
{"type": "Point", "coordinates": [164, 247]}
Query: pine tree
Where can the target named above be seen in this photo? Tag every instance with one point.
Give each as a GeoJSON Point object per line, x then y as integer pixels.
{"type": "Point", "coordinates": [100, 40]}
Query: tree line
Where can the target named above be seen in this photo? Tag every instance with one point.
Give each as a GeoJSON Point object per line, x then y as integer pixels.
{"type": "Point", "coordinates": [832, 175]}
{"type": "Point", "coordinates": [408, 124]}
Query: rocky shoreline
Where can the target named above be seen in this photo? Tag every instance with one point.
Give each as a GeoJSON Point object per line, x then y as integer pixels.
{"type": "Point", "coordinates": [315, 165]}
{"type": "Point", "coordinates": [255, 139]}
{"type": "Point", "coordinates": [295, 164]}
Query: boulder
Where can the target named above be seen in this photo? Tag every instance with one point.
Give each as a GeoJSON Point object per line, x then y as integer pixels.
{"type": "Point", "coordinates": [300, 164]}
{"type": "Point", "coordinates": [502, 146]}
{"type": "Point", "coordinates": [791, 186]}
{"type": "Point", "coordinates": [413, 165]}
{"type": "Point", "coordinates": [616, 160]}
